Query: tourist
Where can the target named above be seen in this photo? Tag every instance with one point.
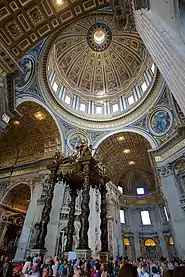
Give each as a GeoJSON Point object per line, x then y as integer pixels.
{"type": "Point", "coordinates": [1, 265]}
{"type": "Point", "coordinates": [110, 267]}
{"type": "Point", "coordinates": [55, 266]}
{"type": "Point", "coordinates": [139, 269]}
{"type": "Point", "coordinates": [27, 267]}
{"type": "Point", "coordinates": [103, 269]}
{"type": "Point", "coordinates": [36, 259]}
{"type": "Point", "coordinates": [35, 271]}
{"type": "Point", "coordinates": [144, 272]}
{"type": "Point", "coordinates": [7, 268]}
{"type": "Point", "coordinates": [65, 269]}
{"type": "Point", "coordinates": [155, 272]}
{"type": "Point", "coordinates": [128, 270]}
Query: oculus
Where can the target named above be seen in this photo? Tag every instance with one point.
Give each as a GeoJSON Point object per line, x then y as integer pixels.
{"type": "Point", "coordinates": [99, 37]}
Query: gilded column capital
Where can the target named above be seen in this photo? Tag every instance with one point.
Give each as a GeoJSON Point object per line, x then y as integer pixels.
{"type": "Point", "coordinates": [165, 170]}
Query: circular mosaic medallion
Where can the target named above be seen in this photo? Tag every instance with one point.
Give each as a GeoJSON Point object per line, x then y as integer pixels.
{"type": "Point", "coordinates": [160, 121]}
{"type": "Point", "coordinates": [76, 140]}
{"type": "Point", "coordinates": [99, 37]}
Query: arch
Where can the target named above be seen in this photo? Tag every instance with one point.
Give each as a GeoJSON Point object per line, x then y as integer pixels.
{"type": "Point", "coordinates": [18, 197]}
{"type": "Point", "coordinates": [126, 241]}
{"type": "Point", "coordinates": [123, 151]}
{"type": "Point", "coordinates": [37, 101]}
{"type": "Point", "coordinates": [149, 242]}
{"type": "Point", "coordinates": [15, 185]}
{"type": "Point", "coordinates": [149, 138]}
{"type": "Point", "coordinates": [32, 136]}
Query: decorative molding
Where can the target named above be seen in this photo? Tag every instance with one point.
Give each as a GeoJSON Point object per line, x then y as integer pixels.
{"type": "Point", "coordinates": [141, 4]}
{"type": "Point", "coordinates": [24, 23]}
{"type": "Point", "coordinates": [170, 152]}
{"type": "Point", "coordinates": [165, 171]}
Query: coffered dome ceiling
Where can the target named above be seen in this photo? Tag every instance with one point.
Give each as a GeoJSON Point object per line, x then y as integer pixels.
{"type": "Point", "coordinates": [95, 69]}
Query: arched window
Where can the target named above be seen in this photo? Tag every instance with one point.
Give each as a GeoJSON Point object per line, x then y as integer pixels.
{"type": "Point", "coordinates": [181, 11]}
{"type": "Point", "coordinates": [170, 240]}
{"type": "Point", "coordinates": [150, 242]}
{"type": "Point", "coordinates": [126, 242]}
{"type": "Point", "coordinates": [182, 8]}
{"type": "Point", "coordinates": [141, 4]}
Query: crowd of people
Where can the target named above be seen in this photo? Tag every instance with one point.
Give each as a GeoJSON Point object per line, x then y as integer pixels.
{"type": "Point", "coordinates": [54, 267]}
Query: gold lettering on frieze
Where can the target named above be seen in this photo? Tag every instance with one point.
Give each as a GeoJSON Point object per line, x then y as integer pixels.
{"type": "Point", "coordinates": [170, 152]}
{"type": "Point", "coordinates": [149, 200]}
{"type": "Point", "coordinates": [23, 172]}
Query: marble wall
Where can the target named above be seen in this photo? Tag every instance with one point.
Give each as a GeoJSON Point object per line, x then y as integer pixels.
{"type": "Point", "coordinates": [137, 233]}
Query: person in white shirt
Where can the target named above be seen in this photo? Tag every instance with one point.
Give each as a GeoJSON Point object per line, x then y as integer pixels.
{"type": "Point", "coordinates": [27, 267]}
{"type": "Point", "coordinates": [144, 271]}
{"type": "Point", "coordinates": [139, 270]}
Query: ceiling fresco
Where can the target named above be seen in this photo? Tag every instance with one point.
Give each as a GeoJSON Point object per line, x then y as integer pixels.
{"type": "Point", "coordinates": [124, 152]}
{"type": "Point", "coordinates": [29, 137]}
{"type": "Point", "coordinates": [25, 22]}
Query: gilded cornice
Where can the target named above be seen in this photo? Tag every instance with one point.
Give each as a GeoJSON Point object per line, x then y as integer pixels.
{"type": "Point", "coordinates": [24, 169]}
{"type": "Point", "coordinates": [170, 147]}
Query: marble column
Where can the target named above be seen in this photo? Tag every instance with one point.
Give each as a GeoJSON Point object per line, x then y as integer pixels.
{"type": "Point", "coordinates": [70, 225]}
{"type": "Point", "coordinates": [53, 225]}
{"type": "Point", "coordinates": [177, 214]}
{"type": "Point", "coordinates": [28, 222]}
{"type": "Point", "coordinates": [166, 49]}
{"type": "Point", "coordinates": [85, 211]}
{"type": "Point", "coordinates": [103, 217]}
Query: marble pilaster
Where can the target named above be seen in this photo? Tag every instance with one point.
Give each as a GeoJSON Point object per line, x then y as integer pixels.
{"type": "Point", "coordinates": [28, 223]}
{"type": "Point", "coordinates": [54, 218]}
{"type": "Point", "coordinates": [114, 226]}
{"type": "Point", "coordinates": [177, 214]}
{"type": "Point", "coordinates": [137, 245]}
{"type": "Point", "coordinates": [166, 49]}
{"type": "Point", "coordinates": [163, 244]}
